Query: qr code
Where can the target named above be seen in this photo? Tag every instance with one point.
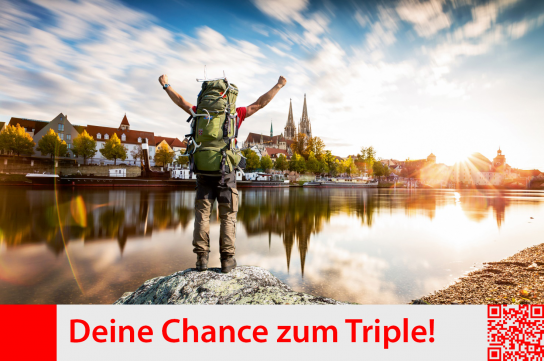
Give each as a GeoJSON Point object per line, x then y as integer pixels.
{"type": "Point", "coordinates": [515, 332]}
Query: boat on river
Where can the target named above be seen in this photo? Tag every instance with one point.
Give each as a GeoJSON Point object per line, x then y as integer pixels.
{"type": "Point", "coordinates": [260, 180]}
{"type": "Point", "coordinates": [342, 183]}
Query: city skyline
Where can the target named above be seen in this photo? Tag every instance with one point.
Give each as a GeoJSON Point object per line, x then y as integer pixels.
{"type": "Point", "coordinates": [407, 77]}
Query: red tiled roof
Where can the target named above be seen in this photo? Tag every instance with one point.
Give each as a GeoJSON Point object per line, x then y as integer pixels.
{"type": "Point", "coordinates": [276, 152]}
{"type": "Point", "coordinates": [132, 135]}
{"type": "Point", "coordinates": [172, 142]}
{"type": "Point", "coordinates": [29, 124]}
{"type": "Point", "coordinates": [256, 138]}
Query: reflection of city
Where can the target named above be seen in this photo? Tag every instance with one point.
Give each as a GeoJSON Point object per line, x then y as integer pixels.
{"type": "Point", "coordinates": [33, 216]}
{"type": "Point", "coordinates": [295, 215]}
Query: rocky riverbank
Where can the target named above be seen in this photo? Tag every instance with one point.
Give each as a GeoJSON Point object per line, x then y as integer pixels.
{"type": "Point", "coordinates": [514, 280]}
{"type": "Point", "coordinates": [245, 285]}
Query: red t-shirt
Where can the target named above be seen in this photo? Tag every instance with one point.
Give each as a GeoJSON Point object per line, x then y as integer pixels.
{"type": "Point", "coordinates": [240, 113]}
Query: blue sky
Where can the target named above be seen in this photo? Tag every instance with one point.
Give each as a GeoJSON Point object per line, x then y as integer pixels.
{"type": "Point", "coordinates": [409, 77]}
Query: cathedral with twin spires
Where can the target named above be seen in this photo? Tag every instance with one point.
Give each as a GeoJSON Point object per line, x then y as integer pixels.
{"type": "Point", "coordinates": [275, 144]}
{"type": "Point", "coordinates": [304, 125]}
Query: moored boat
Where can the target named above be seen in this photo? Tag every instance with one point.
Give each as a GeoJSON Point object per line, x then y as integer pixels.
{"type": "Point", "coordinates": [260, 180]}
{"type": "Point", "coordinates": [341, 184]}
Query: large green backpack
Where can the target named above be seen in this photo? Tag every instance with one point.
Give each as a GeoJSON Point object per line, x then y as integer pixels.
{"type": "Point", "coordinates": [214, 129]}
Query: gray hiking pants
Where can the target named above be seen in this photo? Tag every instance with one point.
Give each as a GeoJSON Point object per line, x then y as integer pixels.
{"type": "Point", "coordinates": [208, 190]}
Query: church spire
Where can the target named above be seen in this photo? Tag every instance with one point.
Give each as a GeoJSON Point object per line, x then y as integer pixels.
{"type": "Point", "coordinates": [304, 110]}
{"type": "Point", "coordinates": [290, 126]}
{"type": "Point", "coordinates": [305, 126]}
{"type": "Point", "coordinates": [271, 130]}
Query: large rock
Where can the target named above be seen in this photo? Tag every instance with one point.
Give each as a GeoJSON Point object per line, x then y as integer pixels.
{"type": "Point", "coordinates": [245, 285]}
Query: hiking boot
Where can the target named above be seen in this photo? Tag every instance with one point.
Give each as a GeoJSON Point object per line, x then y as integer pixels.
{"type": "Point", "coordinates": [202, 261]}
{"type": "Point", "coordinates": [228, 263]}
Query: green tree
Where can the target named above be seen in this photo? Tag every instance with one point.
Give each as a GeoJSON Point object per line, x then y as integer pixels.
{"type": "Point", "coordinates": [16, 140]}
{"type": "Point", "coordinates": [113, 149]}
{"type": "Point", "coordinates": [84, 146]}
{"type": "Point", "coordinates": [329, 158]}
{"type": "Point", "coordinates": [366, 159]}
{"type": "Point", "coordinates": [252, 159]}
{"type": "Point", "coordinates": [323, 167]}
{"type": "Point", "coordinates": [52, 145]}
{"type": "Point", "coordinates": [312, 164]}
{"type": "Point", "coordinates": [281, 163]}
{"type": "Point", "coordinates": [266, 163]}
{"type": "Point", "coordinates": [378, 169]}
{"type": "Point", "coordinates": [297, 163]}
{"type": "Point", "coordinates": [412, 168]}
{"type": "Point", "coordinates": [163, 156]}
{"type": "Point", "coordinates": [182, 160]}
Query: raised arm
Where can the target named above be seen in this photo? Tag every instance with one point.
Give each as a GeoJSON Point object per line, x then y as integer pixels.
{"type": "Point", "coordinates": [266, 98]}
{"type": "Point", "coordinates": [176, 98]}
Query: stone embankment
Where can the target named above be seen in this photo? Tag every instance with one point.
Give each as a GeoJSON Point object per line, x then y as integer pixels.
{"type": "Point", "coordinates": [518, 279]}
{"type": "Point", "coordinates": [245, 285]}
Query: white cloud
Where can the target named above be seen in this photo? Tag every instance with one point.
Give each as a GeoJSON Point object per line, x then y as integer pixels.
{"type": "Point", "coordinates": [283, 10]}
{"type": "Point", "coordinates": [427, 15]}
{"type": "Point", "coordinates": [98, 77]}
{"type": "Point", "coordinates": [291, 11]}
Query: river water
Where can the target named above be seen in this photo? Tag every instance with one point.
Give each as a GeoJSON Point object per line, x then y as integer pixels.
{"type": "Point", "coordinates": [369, 246]}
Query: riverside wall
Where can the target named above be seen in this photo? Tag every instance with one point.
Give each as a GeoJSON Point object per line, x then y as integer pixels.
{"type": "Point", "coordinates": [24, 165]}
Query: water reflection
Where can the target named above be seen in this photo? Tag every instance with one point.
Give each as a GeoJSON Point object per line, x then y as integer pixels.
{"type": "Point", "coordinates": [372, 245]}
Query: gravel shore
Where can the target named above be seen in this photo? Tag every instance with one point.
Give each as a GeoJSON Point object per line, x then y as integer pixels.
{"type": "Point", "coordinates": [514, 280]}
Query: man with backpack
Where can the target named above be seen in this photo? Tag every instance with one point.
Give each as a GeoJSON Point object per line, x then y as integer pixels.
{"type": "Point", "coordinates": [214, 157]}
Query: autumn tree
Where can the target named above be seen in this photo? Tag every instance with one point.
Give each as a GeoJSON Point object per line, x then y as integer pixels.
{"type": "Point", "coordinates": [317, 146]}
{"type": "Point", "coordinates": [52, 145]}
{"type": "Point", "coordinates": [113, 149]}
{"type": "Point", "coordinates": [182, 160]}
{"type": "Point", "coordinates": [84, 146]}
{"type": "Point", "coordinates": [349, 166]}
{"type": "Point", "coordinates": [16, 140]}
{"type": "Point", "coordinates": [281, 163]}
{"type": "Point", "coordinates": [163, 156]}
{"type": "Point", "coordinates": [252, 159]}
{"type": "Point", "coordinates": [300, 142]}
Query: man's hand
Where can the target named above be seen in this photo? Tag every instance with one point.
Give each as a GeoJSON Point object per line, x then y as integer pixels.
{"type": "Point", "coordinates": [266, 98]}
{"type": "Point", "coordinates": [163, 79]}
{"type": "Point", "coordinates": [282, 81]}
{"type": "Point", "coordinates": [176, 98]}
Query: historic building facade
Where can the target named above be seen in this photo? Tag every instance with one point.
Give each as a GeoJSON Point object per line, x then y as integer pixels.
{"type": "Point", "coordinates": [479, 170]}
{"type": "Point", "coordinates": [274, 145]}
{"type": "Point", "coordinates": [38, 128]}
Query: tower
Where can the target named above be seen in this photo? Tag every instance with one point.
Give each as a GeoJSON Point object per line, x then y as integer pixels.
{"type": "Point", "coordinates": [304, 125]}
{"type": "Point", "coordinates": [124, 123]}
{"type": "Point", "coordinates": [499, 161]}
{"type": "Point", "coordinates": [271, 130]}
{"type": "Point", "coordinates": [290, 129]}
